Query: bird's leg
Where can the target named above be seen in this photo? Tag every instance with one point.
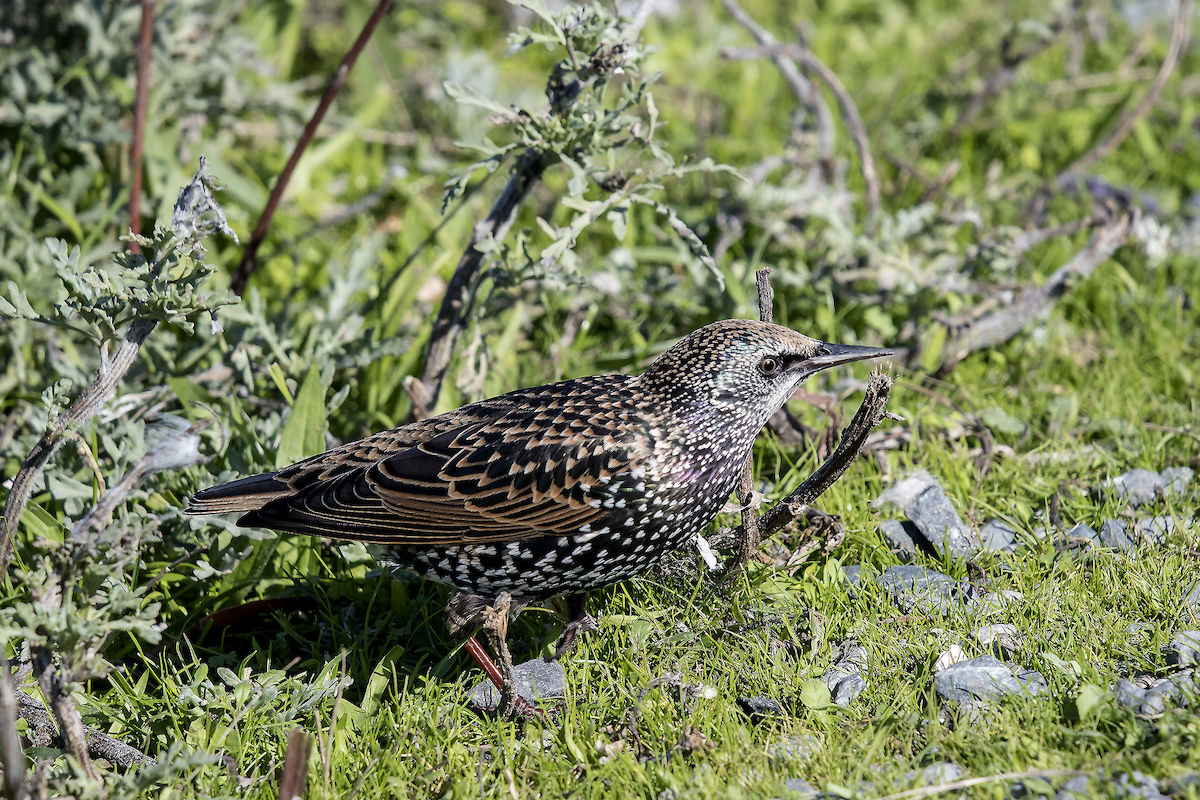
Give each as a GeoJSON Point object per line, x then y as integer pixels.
{"type": "Point", "coordinates": [466, 612]}
{"type": "Point", "coordinates": [495, 628]}
{"type": "Point", "coordinates": [578, 621]}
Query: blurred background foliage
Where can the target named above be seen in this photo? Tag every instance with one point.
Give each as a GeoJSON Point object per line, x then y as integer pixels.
{"type": "Point", "coordinates": [972, 111]}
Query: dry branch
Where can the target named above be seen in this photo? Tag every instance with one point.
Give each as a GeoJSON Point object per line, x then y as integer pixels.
{"type": "Point", "coordinates": [801, 87]}
{"type": "Point", "coordinates": [249, 262]}
{"type": "Point", "coordinates": [42, 731]}
{"type": "Point", "coordinates": [1179, 37]}
{"type": "Point", "coordinates": [10, 740]}
{"type": "Point", "coordinates": [449, 323]}
{"type": "Point", "coordinates": [1001, 326]}
{"type": "Point", "coordinates": [850, 115]}
{"type": "Point", "coordinates": [84, 408]}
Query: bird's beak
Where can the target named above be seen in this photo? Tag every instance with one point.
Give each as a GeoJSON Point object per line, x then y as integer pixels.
{"type": "Point", "coordinates": [830, 355]}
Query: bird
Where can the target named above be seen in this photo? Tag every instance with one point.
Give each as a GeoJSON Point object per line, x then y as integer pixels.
{"type": "Point", "coordinates": [548, 493]}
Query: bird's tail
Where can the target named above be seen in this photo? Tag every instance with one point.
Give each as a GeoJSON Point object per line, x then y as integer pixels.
{"type": "Point", "coordinates": [244, 494]}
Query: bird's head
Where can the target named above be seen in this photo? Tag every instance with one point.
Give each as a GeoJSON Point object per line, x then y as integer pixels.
{"type": "Point", "coordinates": [743, 367]}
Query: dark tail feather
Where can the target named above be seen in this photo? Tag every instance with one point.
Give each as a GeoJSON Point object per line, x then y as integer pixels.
{"type": "Point", "coordinates": [244, 494]}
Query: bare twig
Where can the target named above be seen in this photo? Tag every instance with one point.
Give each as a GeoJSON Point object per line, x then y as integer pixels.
{"type": "Point", "coordinates": [70, 724]}
{"type": "Point", "coordinates": [1179, 37]}
{"type": "Point", "coordinates": [84, 408]}
{"type": "Point", "coordinates": [641, 17]}
{"type": "Point", "coordinates": [145, 39]}
{"type": "Point", "coordinates": [10, 740]}
{"type": "Point", "coordinates": [846, 105]}
{"type": "Point", "coordinates": [1001, 326]}
{"type": "Point", "coordinates": [99, 745]}
{"type": "Point", "coordinates": [248, 263]}
{"type": "Point", "coordinates": [801, 87]}
{"type": "Point", "coordinates": [295, 766]}
{"type": "Point", "coordinates": [527, 171]}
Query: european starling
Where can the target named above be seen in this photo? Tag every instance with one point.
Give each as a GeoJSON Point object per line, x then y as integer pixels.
{"type": "Point", "coordinates": [554, 490]}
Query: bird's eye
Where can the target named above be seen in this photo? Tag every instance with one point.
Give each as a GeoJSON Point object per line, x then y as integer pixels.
{"type": "Point", "coordinates": [768, 366]}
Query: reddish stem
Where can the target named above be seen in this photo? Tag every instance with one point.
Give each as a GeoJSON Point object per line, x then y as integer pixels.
{"type": "Point", "coordinates": [249, 255]}
{"type": "Point", "coordinates": [145, 38]}
{"type": "Point", "coordinates": [523, 706]}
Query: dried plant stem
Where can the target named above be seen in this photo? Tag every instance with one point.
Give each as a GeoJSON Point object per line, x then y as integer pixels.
{"type": "Point", "coordinates": [145, 39]}
{"type": "Point", "coordinates": [1179, 38]}
{"type": "Point", "coordinates": [99, 745]}
{"type": "Point", "coordinates": [1001, 326]}
{"type": "Point", "coordinates": [446, 329]}
{"type": "Point", "coordinates": [295, 766]}
{"type": "Point", "coordinates": [249, 262]}
{"type": "Point", "coordinates": [84, 408]}
{"type": "Point", "coordinates": [850, 115]}
{"type": "Point", "coordinates": [801, 87]}
{"type": "Point", "coordinates": [70, 724]}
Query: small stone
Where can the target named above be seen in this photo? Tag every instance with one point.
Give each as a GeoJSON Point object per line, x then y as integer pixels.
{"type": "Point", "coordinates": [1074, 789]}
{"type": "Point", "coordinates": [941, 772]}
{"type": "Point", "coordinates": [844, 679]}
{"type": "Point", "coordinates": [1180, 785]}
{"type": "Point", "coordinates": [996, 602]}
{"type": "Point", "coordinates": [1113, 535]}
{"type": "Point", "coordinates": [999, 537]}
{"type": "Point", "coordinates": [1184, 648]}
{"type": "Point", "coordinates": [800, 787]}
{"type": "Point", "coordinates": [982, 678]}
{"type": "Point", "coordinates": [920, 589]}
{"type": "Point", "coordinates": [1177, 479]}
{"type": "Point", "coordinates": [795, 747]}
{"type": "Point", "coordinates": [537, 679]}
{"type": "Point", "coordinates": [905, 538]}
{"type": "Point", "coordinates": [1137, 784]}
{"type": "Point", "coordinates": [845, 690]}
{"type": "Point", "coordinates": [1005, 637]}
{"type": "Point", "coordinates": [926, 504]}
{"type": "Point", "coordinates": [760, 708]}
{"type": "Point", "coordinates": [1082, 533]}
{"type": "Point", "coordinates": [1179, 688]}
{"type": "Point", "coordinates": [954, 654]}
{"type": "Point", "coordinates": [1143, 703]}
{"type": "Point", "coordinates": [1191, 603]}
{"type": "Point", "coordinates": [1156, 529]}
{"type": "Point", "coordinates": [1138, 487]}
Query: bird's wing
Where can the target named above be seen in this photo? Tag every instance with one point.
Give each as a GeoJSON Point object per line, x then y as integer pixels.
{"type": "Point", "coordinates": [526, 469]}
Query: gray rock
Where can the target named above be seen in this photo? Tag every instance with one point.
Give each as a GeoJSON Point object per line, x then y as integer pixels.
{"type": "Point", "coordinates": [1177, 479]}
{"type": "Point", "coordinates": [1191, 603]}
{"type": "Point", "coordinates": [905, 538]}
{"type": "Point", "coordinates": [982, 678]}
{"type": "Point", "coordinates": [1006, 638]}
{"type": "Point", "coordinates": [926, 504]}
{"type": "Point", "coordinates": [1136, 784]}
{"type": "Point", "coordinates": [1155, 530]}
{"type": "Point", "coordinates": [800, 787]}
{"type": "Point", "coordinates": [941, 772]}
{"type": "Point", "coordinates": [995, 602]}
{"type": "Point", "coordinates": [760, 708]}
{"type": "Point", "coordinates": [843, 692]}
{"type": "Point", "coordinates": [1143, 703]}
{"type": "Point", "coordinates": [1180, 785]}
{"type": "Point", "coordinates": [536, 679]}
{"type": "Point", "coordinates": [1184, 648]}
{"type": "Point", "coordinates": [1082, 532]}
{"type": "Point", "coordinates": [1179, 688]}
{"type": "Point", "coordinates": [998, 536]}
{"type": "Point", "coordinates": [920, 589]}
{"type": "Point", "coordinates": [1114, 536]}
{"type": "Point", "coordinates": [1074, 789]}
{"type": "Point", "coordinates": [795, 747]}
{"type": "Point", "coordinates": [1138, 487]}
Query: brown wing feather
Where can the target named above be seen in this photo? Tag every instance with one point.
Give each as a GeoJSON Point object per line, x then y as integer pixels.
{"type": "Point", "coordinates": [474, 481]}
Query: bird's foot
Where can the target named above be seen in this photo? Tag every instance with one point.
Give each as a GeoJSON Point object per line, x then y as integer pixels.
{"type": "Point", "coordinates": [582, 624]}
{"type": "Point", "coordinates": [495, 629]}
